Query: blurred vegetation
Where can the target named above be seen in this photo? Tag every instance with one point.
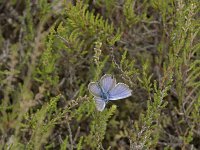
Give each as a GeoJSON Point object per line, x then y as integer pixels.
{"type": "Point", "coordinates": [50, 51]}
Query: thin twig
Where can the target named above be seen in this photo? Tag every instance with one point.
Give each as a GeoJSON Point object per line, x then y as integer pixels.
{"type": "Point", "coordinates": [126, 77]}
{"type": "Point", "coordinates": [70, 136]}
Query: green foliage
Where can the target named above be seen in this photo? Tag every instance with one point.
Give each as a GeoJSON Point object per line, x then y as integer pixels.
{"type": "Point", "coordinates": [88, 26]}
{"type": "Point", "coordinates": [41, 123]}
{"type": "Point", "coordinates": [145, 80]}
{"type": "Point", "coordinates": [98, 128]}
{"type": "Point", "coordinates": [128, 11]}
{"type": "Point", "coordinates": [48, 60]}
{"type": "Point", "coordinates": [148, 125]}
{"type": "Point", "coordinates": [51, 50]}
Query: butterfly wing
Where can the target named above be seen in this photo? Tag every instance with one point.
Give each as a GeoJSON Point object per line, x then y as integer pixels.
{"type": "Point", "coordinates": [94, 89]}
{"type": "Point", "coordinates": [100, 103]}
{"type": "Point", "coordinates": [120, 91]}
{"type": "Point", "coordinates": [107, 82]}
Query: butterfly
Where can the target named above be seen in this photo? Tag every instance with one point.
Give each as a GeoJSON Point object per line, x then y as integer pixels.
{"type": "Point", "coordinates": [106, 89]}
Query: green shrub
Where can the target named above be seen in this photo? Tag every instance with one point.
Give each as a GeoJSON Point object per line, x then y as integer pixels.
{"type": "Point", "coordinates": [51, 50]}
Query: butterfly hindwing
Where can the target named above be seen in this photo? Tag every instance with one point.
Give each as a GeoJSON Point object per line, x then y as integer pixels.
{"type": "Point", "coordinates": [120, 91]}
{"type": "Point", "coordinates": [100, 103]}
{"type": "Point", "coordinates": [107, 82]}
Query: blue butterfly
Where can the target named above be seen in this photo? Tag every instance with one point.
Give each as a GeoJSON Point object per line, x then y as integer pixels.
{"type": "Point", "coordinates": [107, 89]}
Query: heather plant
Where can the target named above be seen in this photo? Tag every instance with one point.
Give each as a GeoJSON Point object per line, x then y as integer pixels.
{"type": "Point", "coordinates": [51, 50]}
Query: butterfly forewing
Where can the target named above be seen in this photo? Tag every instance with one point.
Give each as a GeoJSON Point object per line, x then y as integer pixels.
{"type": "Point", "coordinates": [107, 82]}
{"type": "Point", "coordinates": [100, 103]}
{"type": "Point", "coordinates": [94, 89]}
{"type": "Point", "coordinates": [120, 91]}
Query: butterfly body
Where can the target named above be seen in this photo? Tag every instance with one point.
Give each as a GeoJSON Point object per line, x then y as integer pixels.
{"type": "Point", "coordinates": [104, 95]}
{"type": "Point", "coordinates": [107, 89]}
